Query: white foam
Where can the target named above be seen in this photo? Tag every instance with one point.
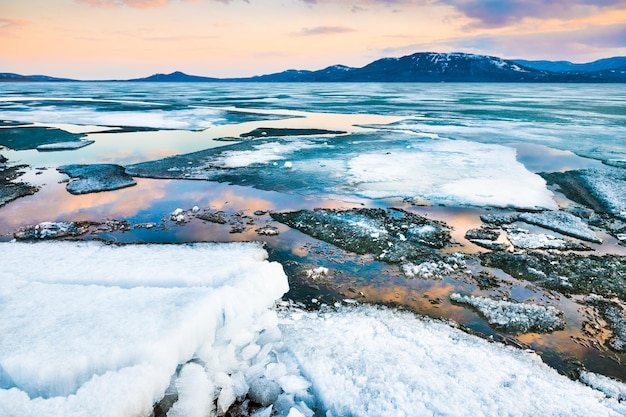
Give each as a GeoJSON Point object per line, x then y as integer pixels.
{"type": "Point", "coordinates": [451, 172]}
{"type": "Point", "coordinates": [96, 330]}
{"type": "Point", "coordinates": [369, 361]}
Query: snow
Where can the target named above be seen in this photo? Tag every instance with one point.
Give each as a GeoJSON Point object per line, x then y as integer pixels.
{"type": "Point", "coordinates": [369, 361]}
{"type": "Point", "coordinates": [96, 330]}
{"type": "Point", "coordinates": [518, 317]}
{"type": "Point", "coordinates": [451, 172]}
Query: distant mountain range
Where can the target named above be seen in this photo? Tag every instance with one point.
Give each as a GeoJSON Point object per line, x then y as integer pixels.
{"type": "Point", "coordinates": [418, 67]}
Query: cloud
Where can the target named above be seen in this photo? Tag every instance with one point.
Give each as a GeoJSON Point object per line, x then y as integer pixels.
{"type": "Point", "coordinates": [12, 23]}
{"type": "Point", "coordinates": [497, 13]}
{"type": "Point", "coordinates": [139, 4]}
{"type": "Point", "coordinates": [588, 44]}
{"type": "Point", "coordinates": [324, 30]}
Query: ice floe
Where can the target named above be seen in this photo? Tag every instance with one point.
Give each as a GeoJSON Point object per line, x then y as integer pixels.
{"type": "Point", "coordinates": [451, 172]}
{"type": "Point", "coordinates": [369, 361]}
{"type": "Point", "coordinates": [512, 316]}
{"type": "Point", "coordinates": [95, 178]}
{"type": "Point", "coordinates": [602, 189]}
{"type": "Point", "coordinates": [96, 330]}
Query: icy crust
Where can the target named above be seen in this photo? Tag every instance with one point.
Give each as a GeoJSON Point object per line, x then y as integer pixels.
{"type": "Point", "coordinates": [608, 386]}
{"type": "Point", "coordinates": [565, 272]}
{"type": "Point", "coordinates": [369, 361]}
{"type": "Point", "coordinates": [97, 330]}
{"type": "Point", "coordinates": [375, 166]}
{"type": "Point", "coordinates": [602, 189]}
{"type": "Point", "coordinates": [514, 317]}
{"type": "Point", "coordinates": [391, 235]}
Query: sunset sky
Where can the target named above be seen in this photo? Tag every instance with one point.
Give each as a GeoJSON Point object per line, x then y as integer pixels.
{"type": "Point", "coordinates": [111, 39]}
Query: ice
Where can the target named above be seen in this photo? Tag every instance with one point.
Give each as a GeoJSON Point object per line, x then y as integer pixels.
{"type": "Point", "coordinates": [373, 361]}
{"type": "Point", "coordinates": [451, 172]}
{"type": "Point", "coordinates": [65, 146]}
{"type": "Point", "coordinates": [88, 112]}
{"type": "Point", "coordinates": [97, 330]}
{"type": "Point", "coordinates": [608, 386]}
{"type": "Point", "coordinates": [368, 165]}
{"type": "Point", "coordinates": [434, 269]}
{"type": "Point", "coordinates": [513, 316]}
{"type": "Point", "coordinates": [195, 393]}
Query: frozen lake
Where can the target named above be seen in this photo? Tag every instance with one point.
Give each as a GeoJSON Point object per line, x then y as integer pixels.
{"type": "Point", "coordinates": [500, 207]}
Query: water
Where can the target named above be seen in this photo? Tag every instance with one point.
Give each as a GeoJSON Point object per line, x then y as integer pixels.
{"type": "Point", "coordinates": [488, 139]}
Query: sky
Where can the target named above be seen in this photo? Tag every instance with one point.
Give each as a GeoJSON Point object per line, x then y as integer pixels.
{"type": "Point", "coordinates": [120, 39]}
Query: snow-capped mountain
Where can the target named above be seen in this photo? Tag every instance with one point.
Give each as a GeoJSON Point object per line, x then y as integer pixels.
{"type": "Point", "coordinates": [421, 67]}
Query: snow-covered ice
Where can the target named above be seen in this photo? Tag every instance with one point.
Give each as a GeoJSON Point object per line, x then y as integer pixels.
{"type": "Point", "coordinates": [96, 330]}
{"type": "Point", "coordinates": [372, 361]}
{"type": "Point", "coordinates": [513, 316]}
{"type": "Point", "coordinates": [451, 172]}
{"type": "Point", "coordinates": [562, 222]}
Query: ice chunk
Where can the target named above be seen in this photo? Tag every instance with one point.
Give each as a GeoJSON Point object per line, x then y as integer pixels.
{"type": "Point", "coordinates": [91, 329]}
{"type": "Point", "coordinates": [521, 238]}
{"type": "Point", "coordinates": [372, 361]}
{"type": "Point", "coordinates": [264, 391]}
{"type": "Point", "coordinates": [608, 386]}
{"type": "Point", "coordinates": [195, 393]}
{"type": "Point", "coordinates": [516, 317]}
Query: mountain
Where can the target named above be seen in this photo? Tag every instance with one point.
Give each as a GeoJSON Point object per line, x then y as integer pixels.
{"type": "Point", "coordinates": [420, 67]}
{"type": "Point", "coordinates": [9, 76]}
{"type": "Point", "coordinates": [452, 67]}
{"type": "Point", "coordinates": [615, 63]}
{"type": "Point", "coordinates": [175, 77]}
